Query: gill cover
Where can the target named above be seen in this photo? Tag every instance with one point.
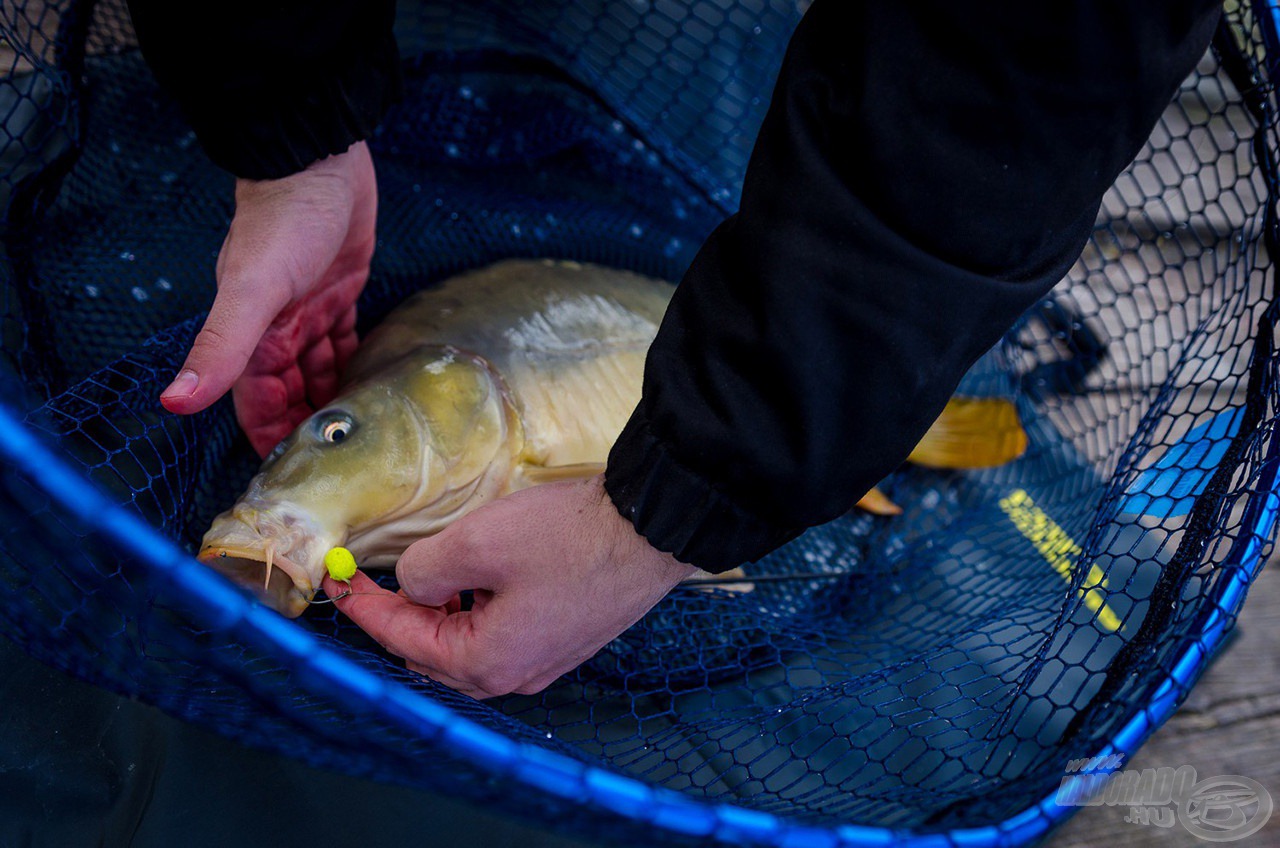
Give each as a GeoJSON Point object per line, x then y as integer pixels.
{"type": "Point", "coordinates": [465, 413]}
{"type": "Point", "coordinates": [370, 470]}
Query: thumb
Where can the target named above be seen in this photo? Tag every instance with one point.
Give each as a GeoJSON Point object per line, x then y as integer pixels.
{"type": "Point", "coordinates": [435, 569]}
{"type": "Point", "coordinates": [240, 316]}
{"type": "Point", "coordinates": [429, 638]}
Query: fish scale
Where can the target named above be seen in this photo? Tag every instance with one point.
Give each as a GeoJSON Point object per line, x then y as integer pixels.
{"type": "Point", "coordinates": [568, 339]}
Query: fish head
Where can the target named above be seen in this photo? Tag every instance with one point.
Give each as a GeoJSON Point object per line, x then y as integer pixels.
{"type": "Point", "coordinates": [393, 446]}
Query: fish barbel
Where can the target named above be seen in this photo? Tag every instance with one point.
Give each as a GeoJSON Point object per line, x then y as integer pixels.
{"type": "Point", "coordinates": [516, 374]}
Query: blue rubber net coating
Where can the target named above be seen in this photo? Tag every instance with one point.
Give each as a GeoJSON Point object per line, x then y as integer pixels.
{"type": "Point", "coordinates": [933, 684]}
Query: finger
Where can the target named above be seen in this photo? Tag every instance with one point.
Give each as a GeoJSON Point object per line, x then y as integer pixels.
{"type": "Point", "coordinates": [346, 323]}
{"type": "Point", "coordinates": [432, 571]}
{"type": "Point", "coordinates": [451, 606]}
{"type": "Point", "coordinates": [319, 370]}
{"type": "Point", "coordinates": [265, 409]}
{"type": "Point", "coordinates": [341, 593]}
{"type": "Point", "coordinates": [360, 582]}
{"type": "Point", "coordinates": [240, 316]}
{"type": "Point", "coordinates": [426, 635]}
{"type": "Point", "coordinates": [462, 686]}
{"type": "Point", "coordinates": [264, 439]}
{"type": "Point", "coordinates": [343, 339]}
{"type": "Point", "coordinates": [335, 589]}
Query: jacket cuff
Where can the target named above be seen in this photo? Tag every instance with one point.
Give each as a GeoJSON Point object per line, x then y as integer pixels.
{"type": "Point", "coordinates": [280, 131]}
{"type": "Point", "coordinates": [678, 510]}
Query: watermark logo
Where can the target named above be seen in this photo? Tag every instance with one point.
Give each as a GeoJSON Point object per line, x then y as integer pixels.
{"type": "Point", "coordinates": [1217, 809]}
{"type": "Point", "coordinates": [1224, 808]}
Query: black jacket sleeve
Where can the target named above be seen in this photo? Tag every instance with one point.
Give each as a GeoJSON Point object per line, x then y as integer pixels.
{"type": "Point", "coordinates": [925, 173]}
{"type": "Point", "coordinates": [270, 86]}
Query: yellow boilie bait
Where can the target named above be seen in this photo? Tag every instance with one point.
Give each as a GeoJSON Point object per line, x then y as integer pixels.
{"type": "Point", "coordinates": [341, 564]}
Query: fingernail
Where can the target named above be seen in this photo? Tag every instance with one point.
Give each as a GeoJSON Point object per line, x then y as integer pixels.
{"type": "Point", "coordinates": [183, 386]}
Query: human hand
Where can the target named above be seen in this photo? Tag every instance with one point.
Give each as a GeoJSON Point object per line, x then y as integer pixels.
{"type": "Point", "coordinates": [558, 573]}
{"type": "Point", "coordinates": [283, 323]}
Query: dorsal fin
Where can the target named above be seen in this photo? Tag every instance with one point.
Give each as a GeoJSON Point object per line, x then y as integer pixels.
{"type": "Point", "coordinates": [877, 502]}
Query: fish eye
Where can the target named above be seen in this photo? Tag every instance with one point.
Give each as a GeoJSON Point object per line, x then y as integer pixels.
{"type": "Point", "coordinates": [335, 429]}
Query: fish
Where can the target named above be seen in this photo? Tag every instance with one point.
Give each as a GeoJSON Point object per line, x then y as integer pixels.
{"type": "Point", "coordinates": [509, 376]}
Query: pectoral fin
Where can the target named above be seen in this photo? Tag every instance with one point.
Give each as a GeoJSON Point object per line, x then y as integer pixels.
{"type": "Point", "coordinates": [743, 585]}
{"type": "Point", "coordinates": [877, 502]}
{"type": "Point", "coordinates": [972, 433]}
{"type": "Point", "coordinates": [536, 474]}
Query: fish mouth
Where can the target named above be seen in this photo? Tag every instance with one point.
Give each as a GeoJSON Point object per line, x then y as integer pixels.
{"type": "Point", "coordinates": [278, 581]}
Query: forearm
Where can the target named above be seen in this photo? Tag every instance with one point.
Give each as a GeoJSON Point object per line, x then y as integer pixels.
{"type": "Point", "coordinates": [270, 88]}
{"type": "Point", "coordinates": [921, 178]}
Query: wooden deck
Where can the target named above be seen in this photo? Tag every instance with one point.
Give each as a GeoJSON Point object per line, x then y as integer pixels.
{"type": "Point", "coordinates": [1229, 725]}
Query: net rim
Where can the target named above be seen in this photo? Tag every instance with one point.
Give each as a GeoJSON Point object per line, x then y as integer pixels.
{"type": "Point", "coordinates": [181, 581]}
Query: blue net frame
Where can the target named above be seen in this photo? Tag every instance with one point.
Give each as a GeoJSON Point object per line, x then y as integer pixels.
{"type": "Point", "coordinates": [923, 680]}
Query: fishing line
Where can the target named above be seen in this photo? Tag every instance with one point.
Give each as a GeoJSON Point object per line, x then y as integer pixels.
{"type": "Point", "coordinates": [346, 594]}
{"type": "Point", "coordinates": [764, 578]}
{"type": "Point", "coordinates": [704, 581]}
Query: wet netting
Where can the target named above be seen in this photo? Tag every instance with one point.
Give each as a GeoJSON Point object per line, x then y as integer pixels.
{"type": "Point", "coordinates": [944, 667]}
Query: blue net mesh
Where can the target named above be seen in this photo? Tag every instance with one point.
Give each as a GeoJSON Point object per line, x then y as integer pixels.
{"type": "Point", "coordinates": [929, 675]}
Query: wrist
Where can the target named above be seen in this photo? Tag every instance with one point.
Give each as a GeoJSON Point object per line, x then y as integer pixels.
{"type": "Point", "coordinates": [337, 164]}
{"type": "Point", "coordinates": [630, 544]}
{"type": "Point", "coordinates": [677, 509]}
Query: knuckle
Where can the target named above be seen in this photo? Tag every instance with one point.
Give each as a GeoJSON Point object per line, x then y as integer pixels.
{"type": "Point", "coordinates": [482, 668]}
{"type": "Point", "coordinates": [500, 683]}
{"type": "Point", "coordinates": [212, 337]}
{"type": "Point", "coordinates": [533, 687]}
{"type": "Point", "coordinates": [491, 675]}
{"type": "Point", "coordinates": [463, 541]}
{"type": "Point", "coordinates": [410, 566]}
{"type": "Point", "coordinates": [249, 284]}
